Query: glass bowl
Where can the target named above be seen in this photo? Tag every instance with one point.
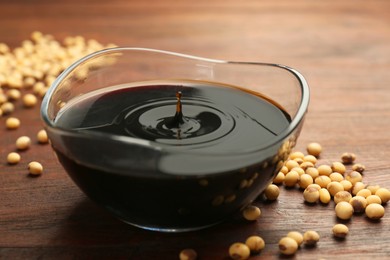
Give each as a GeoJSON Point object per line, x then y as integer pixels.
{"type": "Point", "coordinates": [172, 142]}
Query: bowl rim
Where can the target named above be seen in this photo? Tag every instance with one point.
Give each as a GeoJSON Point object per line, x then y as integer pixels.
{"type": "Point", "coordinates": [295, 122]}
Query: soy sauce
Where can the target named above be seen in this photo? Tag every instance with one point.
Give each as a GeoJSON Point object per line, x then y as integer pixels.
{"type": "Point", "coordinates": [200, 133]}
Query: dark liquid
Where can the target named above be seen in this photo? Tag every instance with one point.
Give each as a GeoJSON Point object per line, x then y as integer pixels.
{"type": "Point", "coordinates": [201, 160]}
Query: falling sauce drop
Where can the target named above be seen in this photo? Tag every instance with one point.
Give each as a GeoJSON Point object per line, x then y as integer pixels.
{"type": "Point", "coordinates": [179, 114]}
{"type": "Point", "coordinates": [178, 122]}
{"type": "Point", "coordinates": [178, 119]}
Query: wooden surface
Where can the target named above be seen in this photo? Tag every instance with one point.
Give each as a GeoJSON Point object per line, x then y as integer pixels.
{"type": "Point", "coordinates": [343, 49]}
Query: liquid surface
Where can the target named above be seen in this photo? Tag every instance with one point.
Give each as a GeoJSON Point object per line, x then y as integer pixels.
{"type": "Point", "coordinates": [170, 189]}
{"type": "Point", "coordinates": [213, 119]}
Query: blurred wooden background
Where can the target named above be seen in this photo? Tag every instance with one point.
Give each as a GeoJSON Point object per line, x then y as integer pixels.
{"type": "Point", "coordinates": [342, 48]}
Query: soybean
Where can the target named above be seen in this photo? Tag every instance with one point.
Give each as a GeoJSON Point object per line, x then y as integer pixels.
{"type": "Point", "coordinates": [354, 177]}
{"type": "Point", "coordinates": [306, 165]}
{"type": "Point", "coordinates": [291, 164]}
{"type": "Point", "coordinates": [314, 149]}
{"type": "Point", "coordinates": [375, 211]}
{"type": "Point", "coordinates": [373, 188]}
{"type": "Point", "coordinates": [335, 176]}
{"type": "Point", "coordinates": [255, 244]}
{"type": "Point", "coordinates": [344, 210]}
{"type": "Point", "coordinates": [310, 158]}
{"type": "Point", "coordinates": [288, 246]}
{"type": "Point", "coordinates": [358, 167]}
{"type": "Point", "coordinates": [7, 108]}
{"type": "Point", "coordinates": [314, 185]}
{"type": "Point", "coordinates": [299, 170]}
{"type": "Point", "coordinates": [12, 123]}
{"type": "Point", "coordinates": [340, 230]}
{"type": "Point", "coordinates": [188, 254]}
{"type": "Point", "coordinates": [284, 170]}
{"type": "Point", "coordinates": [313, 172]}
{"type": "Point", "coordinates": [358, 186]}
{"type": "Point", "coordinates": [35, 168]}
{"type": "Point", "coordinates": [311, 194]}
{"type": "Point", "coordinates": [42, 137]}
{"type": "Point", "coordinates": [29, 100]}
{"type": "Point", "coordinates": [348, 158]}
{"type": "Point", "coordinates": [346, 184]}
{"type": "Point", "coordinates": [324, 170]}
{"type": "Point", "coordinates": [297, 236]}
{"type": "Point", "coordinates": [291, 179]}
{"type": "Point", "coordinates": [279, 178]}
{"type": "Point", "coordinates": [384, 194]}
{"type": "Point", "coordinates": [364, 193]}
{"type": "Point", "coordinates": [305, 180]}
{"type": "Point", "coordinates": [13, 94]}
{"type": "Point", "coordinates": [342, 196]}
{"type": "Point", "coordinates": [272, 192]}
{"type": "Point", "coordinates": [323, 181]}
{"type": "Point", "coordinates": [338, 167]}
{"type": "Point", "coordinates": [239, 251]}
{"type": "Point", "coordinates": [358, 203]}
{"type": "Point", "coordinates": [251, 213]}
{"type": "Point", "coordinates": [23, 143]}
{"type": "Point", "coordinates": [13, 158]}
{"type": "Point", "coordinates": [373, 199]}
{"type": "Point", "coordinates": [334, 187]}
{"type": "Point", "coordinates": [311, 238]}
{"type": "Point", "coordinates": [324, 196]}
{"type": "Point", "coordinates": [297, 154]}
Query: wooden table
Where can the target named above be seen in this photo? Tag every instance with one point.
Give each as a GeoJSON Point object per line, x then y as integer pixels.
{"type": "Point", "coordinates": [343, 49]}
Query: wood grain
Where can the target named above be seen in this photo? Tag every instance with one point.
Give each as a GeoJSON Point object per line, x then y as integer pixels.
{"type": "Point", "coordinates": [343, 49]}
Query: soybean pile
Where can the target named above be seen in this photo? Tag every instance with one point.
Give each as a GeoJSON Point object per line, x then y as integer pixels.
{"type": "Point", "coordinates": [26, 73]}
{"type": "Point", "coordinates": [320, 184]}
